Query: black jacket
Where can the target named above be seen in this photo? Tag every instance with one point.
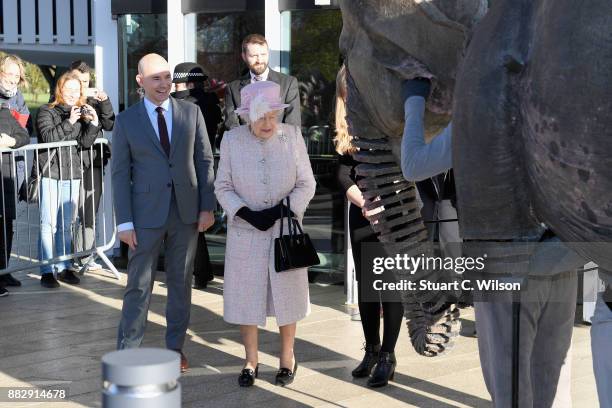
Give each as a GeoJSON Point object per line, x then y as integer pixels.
{"type": "Point", "coordinates": [53, 126]}
{"type": "Point", "coordinates": [209, 105]}
{"type": "Point", "coordinates": [360, 227]}
{"type": "Point", "coordinates": [289, 94]}
{"type": "Point", "coordinates": [100, 154]}
{"type": "Point", "coordinates": [105, 112]}
{"type": "Point", "coordinates": [11, 127]}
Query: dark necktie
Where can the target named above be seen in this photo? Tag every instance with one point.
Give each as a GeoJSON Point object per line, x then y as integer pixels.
{"type": "Point", "coordinates": [163, 130]}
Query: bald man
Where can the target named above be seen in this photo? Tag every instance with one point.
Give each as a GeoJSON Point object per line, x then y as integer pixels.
{"type": "Point", "coordinates": [163, 192]}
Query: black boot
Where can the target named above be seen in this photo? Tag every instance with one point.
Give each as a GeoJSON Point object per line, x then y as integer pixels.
{"type": "Point", "coordinates": [9, 280]}
{"type": "Point", "coordinates": [384, 371]}
{"type": "Point", "coordinates": [47, 280]}
{"type": "Point", "coordinates": [369, 361]}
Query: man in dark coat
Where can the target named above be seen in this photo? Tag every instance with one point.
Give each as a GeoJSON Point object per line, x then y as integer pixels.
{"type": "Point", "coordinates": [255, 53]}
{"type": "Point", "coordinates": [189, 79]}
{"type": "Point", "coordinates": [13, 136]}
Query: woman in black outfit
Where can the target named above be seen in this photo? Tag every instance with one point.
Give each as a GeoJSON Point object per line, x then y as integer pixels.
{"type": "Point", "coordinates": [13, 136]}
{"type": "Point", "coordinates": [379, 360]}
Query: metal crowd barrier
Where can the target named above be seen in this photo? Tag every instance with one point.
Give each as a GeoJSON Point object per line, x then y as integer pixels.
{"type": "Point", "coordinates": [16, 168]}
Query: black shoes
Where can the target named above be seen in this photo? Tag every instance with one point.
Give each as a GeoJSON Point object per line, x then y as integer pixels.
{"type": "Point", "coordinates": [9, 280]}
{"type": "Point", "coordinates": [247, 376]}
{"type": "Point", "coordinates": [384, 371]}
{"type": "Point", "coordinates": [369, 361]}
{"type": "Point", "coordinates": [200, 284]}
{"type": "Point", "coordinates": [68, 276]}
{"type": "Point", "coordinates": [285, 376]}
{"type": "Point", "coordinates": [3, 292]}
{"type": "Point", "coordinates": [47, 280]}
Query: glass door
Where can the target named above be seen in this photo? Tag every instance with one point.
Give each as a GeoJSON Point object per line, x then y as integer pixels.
{"type": "Point", "coordinates": [311, 54]}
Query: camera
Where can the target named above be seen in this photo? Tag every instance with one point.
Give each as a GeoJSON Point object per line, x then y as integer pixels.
{"type": "Point", "coordinates": [86, 115]}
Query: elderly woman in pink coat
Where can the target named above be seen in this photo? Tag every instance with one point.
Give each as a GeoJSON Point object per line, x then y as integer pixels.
{"type": "Point", "coordinates": [262, 163]}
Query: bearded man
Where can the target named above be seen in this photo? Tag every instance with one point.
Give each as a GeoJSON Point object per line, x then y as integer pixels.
{"type": "Point", "coordinates": [256, 54]}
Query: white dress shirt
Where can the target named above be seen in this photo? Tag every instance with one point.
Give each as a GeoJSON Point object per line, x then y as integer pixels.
{"type": "Point", "coordinates": [263, 76]}
{"type": "Point", "coordinates": [150, 108]}
{"type": "Point", "coordinates": [167, 106]}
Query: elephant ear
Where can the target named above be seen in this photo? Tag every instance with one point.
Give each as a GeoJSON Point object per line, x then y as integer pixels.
{"type": "Point", "coordinates": [531, 124]}
{"type": "Point", "coordinates": [567, 124]}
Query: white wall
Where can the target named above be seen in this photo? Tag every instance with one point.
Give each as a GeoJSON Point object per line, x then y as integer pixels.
{"type": "Point", "coordinates": [190, 31]}
{"type": "Point", "coordinates": [273, 33]}
{"type": "Point", "coordinates": [106, 56]}
{"type": "Point", "coordinates": [176, 34]}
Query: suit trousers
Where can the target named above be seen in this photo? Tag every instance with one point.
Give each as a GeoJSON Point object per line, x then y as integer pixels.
{"type": "Point", "coordinates": [180, 242]}
{"type": "Point", "coordinates": [202, 268]}
{"type": "Point", "coordinates": [601, 333]}
{"type": "Point", "coordinates": [546, 326]}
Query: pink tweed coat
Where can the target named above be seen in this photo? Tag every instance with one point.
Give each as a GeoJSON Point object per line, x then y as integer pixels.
{"type": "Point", "coordinates": [259, 174]}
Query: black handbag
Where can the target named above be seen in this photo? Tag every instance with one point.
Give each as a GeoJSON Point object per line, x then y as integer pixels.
{"type": "Point", "coordinates": [28, 191]}
{"type": "Point", "coordinates": [294, 250]}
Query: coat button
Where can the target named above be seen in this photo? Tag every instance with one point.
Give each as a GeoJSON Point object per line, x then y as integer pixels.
{"type": "Point", "coordinates": [170, 165]}
{"type": "Point", "coordinates": [169, 185]}
{"type": "Point", "coordinates": [264, 181]}
{"type": "Point", "coordinates": [262, 161]}
{"type": "Point", "coordinates": [266, 201]}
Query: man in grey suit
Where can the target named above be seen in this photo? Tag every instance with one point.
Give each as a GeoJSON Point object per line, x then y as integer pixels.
{"type": "Point", "coordinates": [163, 191]}
{"type": "Point", "coordinates": [255, 54]}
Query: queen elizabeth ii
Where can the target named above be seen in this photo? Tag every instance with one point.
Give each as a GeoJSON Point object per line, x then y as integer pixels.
{"type": "Point", "coordinates": [262, 163]}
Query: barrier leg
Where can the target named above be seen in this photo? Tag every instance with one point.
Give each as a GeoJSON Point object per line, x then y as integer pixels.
{"type": "Point", "coordinates": [108, 263]}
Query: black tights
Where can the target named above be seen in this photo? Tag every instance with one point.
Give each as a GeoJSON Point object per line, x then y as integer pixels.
{"type": "Point", "coordinates": [393, 312]}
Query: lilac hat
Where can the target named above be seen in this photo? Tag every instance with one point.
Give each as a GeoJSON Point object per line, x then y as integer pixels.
{"type": "Point", "coordinates": [259, 98]}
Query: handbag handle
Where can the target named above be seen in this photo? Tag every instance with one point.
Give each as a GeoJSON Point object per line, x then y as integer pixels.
{"type": "Point", "coordinates": [290, 220]}
{"type": "Point", "coordinates": [48, 163]}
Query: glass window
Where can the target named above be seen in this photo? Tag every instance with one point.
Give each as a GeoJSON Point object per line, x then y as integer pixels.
{"type": "Point", "coordinates": [219, 38]}
{"type": "Point", "coordinates": [218, 47]}
{"type": "Point", "coordinates": [139, 34]}
{"type": "Point", "coordinates": [313, 58]}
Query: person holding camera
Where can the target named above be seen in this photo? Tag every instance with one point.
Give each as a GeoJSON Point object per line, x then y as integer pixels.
{"type": "Point", "coordinates": [94, 162]}
{"type": "Point", "coordinates": [12, 136]}
{"type": "Point", "coordinates": [67, 118]}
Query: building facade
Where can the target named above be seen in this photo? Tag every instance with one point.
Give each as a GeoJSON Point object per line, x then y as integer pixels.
{"type": "Point", "coordinates": [113, 35]}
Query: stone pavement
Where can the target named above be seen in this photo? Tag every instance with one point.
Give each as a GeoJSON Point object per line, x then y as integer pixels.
{"type": "Point", "coordinates": [59, 336]}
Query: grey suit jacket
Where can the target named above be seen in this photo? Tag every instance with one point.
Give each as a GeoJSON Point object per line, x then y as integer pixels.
{"type": "Point", "coordinates": [143, 176]}
{"type": "Point", "coordinates": [289, 94]}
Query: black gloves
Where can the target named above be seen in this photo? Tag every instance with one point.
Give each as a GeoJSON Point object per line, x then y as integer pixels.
{"type": "Point", "coordinates": [262, 220]}
{"type": "Point", "coordinates": [416, 87]}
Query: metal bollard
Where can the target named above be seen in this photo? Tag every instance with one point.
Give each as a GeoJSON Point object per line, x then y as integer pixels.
{"type": "Point", "coordinates": [144, 377]}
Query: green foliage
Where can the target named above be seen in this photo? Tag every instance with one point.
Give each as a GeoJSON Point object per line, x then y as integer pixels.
{"type": "Point", "coordinates": [314, 42]}
{"type": "Point", "coordinates": [38, 83]}
{"type": "Point", "coordinates": [315, 62]}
